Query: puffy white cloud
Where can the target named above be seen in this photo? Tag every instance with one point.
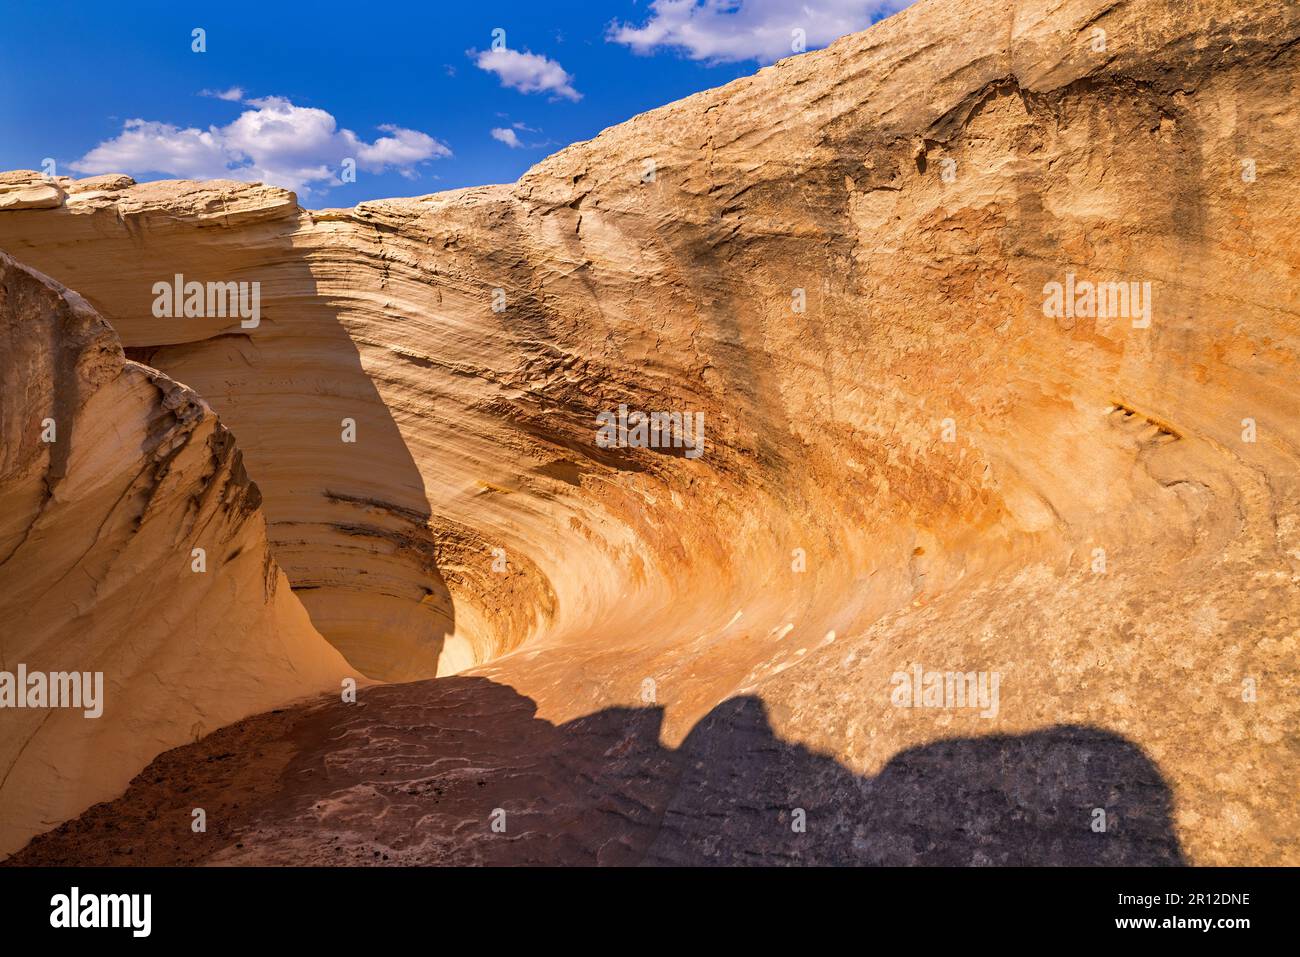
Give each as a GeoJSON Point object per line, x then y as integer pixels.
{"type": "Point", "coordinates": [401, 148]}
{"type": "Point", "coordinates": [527, 72]}
{"type": "Point", "coordinates": [274, 141]}
{"type": "Point", "coordinates": [507, 136]}
{"type": "Point", "coordinates": [725, 31]}
{"type": "Point", "coordinates": [145, 147]}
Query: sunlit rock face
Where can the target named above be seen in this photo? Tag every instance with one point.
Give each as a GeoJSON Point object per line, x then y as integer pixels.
{"type": "Point", "coordinates": [133, 554]}
{"type": "Point", "coordinates": [989, 311]}
{"type": "Point", "coordinates": [348, 520]}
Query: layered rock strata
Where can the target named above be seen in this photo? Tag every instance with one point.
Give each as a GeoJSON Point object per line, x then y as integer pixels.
{"type": "Point", "coordinates": [140, 605]}
{"type": "Point", "coordinates": [855, 266]}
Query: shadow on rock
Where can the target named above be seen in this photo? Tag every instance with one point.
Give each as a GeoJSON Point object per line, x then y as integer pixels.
{"type": "Point", "coordinates": [461, 771]}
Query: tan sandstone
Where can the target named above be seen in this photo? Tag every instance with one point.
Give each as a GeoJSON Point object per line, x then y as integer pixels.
{"type": "Point", "coordinates": [97, 563]}
{"type": "Point", "coordinates": [918, 185]}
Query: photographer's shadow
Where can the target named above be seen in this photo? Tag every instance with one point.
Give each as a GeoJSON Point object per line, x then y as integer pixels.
{"type": "Point", "coordinates": [1032, 799]}
{"type": "Point", "coordinates": [461, 771]}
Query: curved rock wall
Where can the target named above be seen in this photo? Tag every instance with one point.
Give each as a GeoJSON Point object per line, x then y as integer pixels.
{"type": "Point", "coordinates": [844, 263]}
{"type": "Point", "coordinates": [112, 475]}
{"type": "Point", "coordinates": [348, 520]}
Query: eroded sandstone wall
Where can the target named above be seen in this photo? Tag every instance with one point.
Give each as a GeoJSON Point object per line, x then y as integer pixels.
{"type": "Point", "coordinates": [347, 520]}
{"type": "Point", "coordinates": [919, 466]}
{"type": "Point", "coordinates": [112, 475]}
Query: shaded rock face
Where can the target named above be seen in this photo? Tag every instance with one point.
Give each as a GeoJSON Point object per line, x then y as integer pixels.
{"type": "Point", "coordinates": [349, 521]}
{"type": "Point", "coordinates": [112, 475]}
{"type": "Point", "coordinates": [855, 266]}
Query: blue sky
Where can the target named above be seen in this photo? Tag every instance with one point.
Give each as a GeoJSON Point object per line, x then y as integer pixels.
{"type": "Point", "coordinates": [411, 93]}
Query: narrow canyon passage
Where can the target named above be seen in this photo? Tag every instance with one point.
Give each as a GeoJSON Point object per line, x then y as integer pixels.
{"type": "Point", "coordinates": [914, 461]}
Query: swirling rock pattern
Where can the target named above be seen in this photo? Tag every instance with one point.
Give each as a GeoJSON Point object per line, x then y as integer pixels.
{"type": "Point", "coordinates": [112, 475]}
{"type": "Point", "coordinates": [842, 262]}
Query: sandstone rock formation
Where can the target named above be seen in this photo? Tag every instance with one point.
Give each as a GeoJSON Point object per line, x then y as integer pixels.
{"type": "Point", "coordinates": [843, 263]}
{"type": "Point", "coordinates": [112, 475]}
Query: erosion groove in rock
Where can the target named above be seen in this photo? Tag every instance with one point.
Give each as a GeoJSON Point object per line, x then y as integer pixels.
{"type": "Point", "coordinates": [96, 564]}
{"type": "Point", "coordinates": [921, 467]}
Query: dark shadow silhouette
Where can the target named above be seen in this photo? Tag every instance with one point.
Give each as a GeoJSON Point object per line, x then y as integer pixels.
{"type": "Point", "coordinates": [418, 774]}
{"type": "Point", "coordinates": [1001, 799]}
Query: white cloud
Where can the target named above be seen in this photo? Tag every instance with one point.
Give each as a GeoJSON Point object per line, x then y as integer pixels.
{"type": "Point", "coordinates": [401, 148]}
{"type": "Point", "coordinates": [276, 142]}
{"type": "Point", "coordinates": [145, 147]}
{"type": "Point", "coordinates": [725, 31]}
{"type": "Point", "coordinates": [234, 94]}
{"type": "Point", "coordinates": [527, 72]}
{"type": "Point", "coordinates": [507, 136]}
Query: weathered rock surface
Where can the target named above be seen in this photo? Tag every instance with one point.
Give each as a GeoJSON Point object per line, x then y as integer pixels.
{"type": "Point", "coordinates": [26, 189]}
{"type": "Point", "coordinates": [348, 521]}
{"type": "Point", "coordinates": [96, 564]}
{"type": "Point", "coordinates": [416, 772]}
{"type": "Point", "coordinates": [921, 467]}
